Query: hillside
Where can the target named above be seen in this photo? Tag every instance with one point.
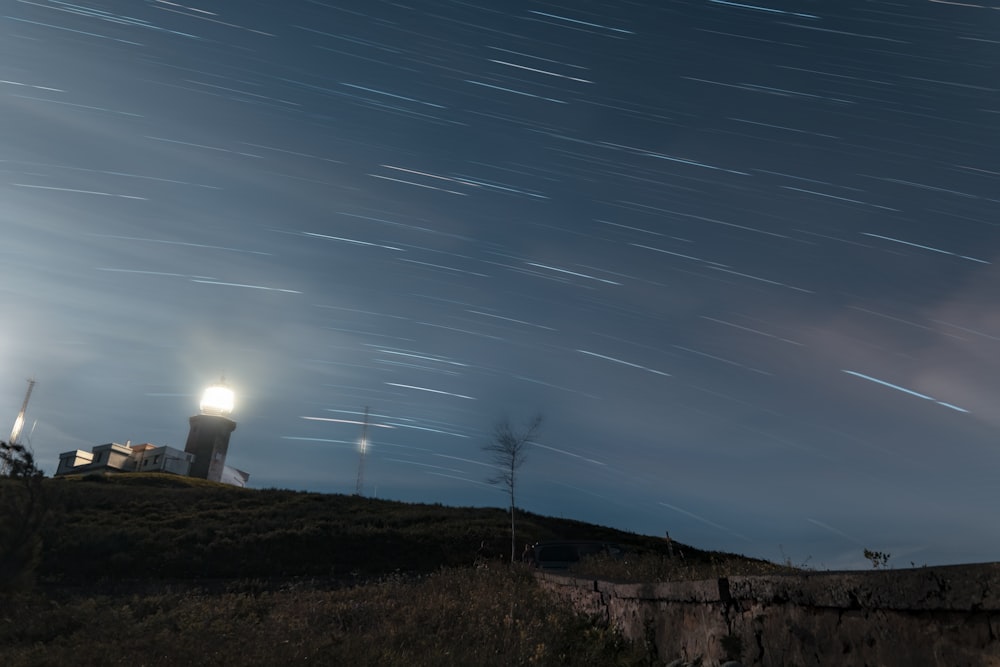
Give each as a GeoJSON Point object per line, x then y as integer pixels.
{"type": "Point", "coordinates": [153, 526]}
{"type": "Point", "coordinates": [202, 573]}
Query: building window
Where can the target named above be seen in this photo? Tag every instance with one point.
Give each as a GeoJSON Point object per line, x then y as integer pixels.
{"type": "Point", "coordinates": [156, 459]}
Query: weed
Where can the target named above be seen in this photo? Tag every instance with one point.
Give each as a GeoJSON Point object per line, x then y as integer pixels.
{"type": "Point", "coordinates": [879, 559]}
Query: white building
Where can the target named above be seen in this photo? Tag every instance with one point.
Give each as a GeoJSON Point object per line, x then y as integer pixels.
{"type": "Point", "coordinates": [114, 457]}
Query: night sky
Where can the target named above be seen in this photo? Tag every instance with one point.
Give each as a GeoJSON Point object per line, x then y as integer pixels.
{"type": "Point", "coordinates": [743, 258]}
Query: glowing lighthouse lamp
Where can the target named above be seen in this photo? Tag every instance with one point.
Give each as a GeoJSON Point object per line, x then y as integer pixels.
{"type": "Point", "coordinates": [217, 400]}
{"type": "Point", "coordinates": [208, 439]}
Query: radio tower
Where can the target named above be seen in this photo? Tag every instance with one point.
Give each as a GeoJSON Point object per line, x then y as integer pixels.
{"type": "Point", "coordinates": [361, 461]}
{"type": "Point", "coordinates": [15, 432]}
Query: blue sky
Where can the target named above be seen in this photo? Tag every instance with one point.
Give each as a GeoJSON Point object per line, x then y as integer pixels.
{"type": "Point", "coordinates": [741, 256]}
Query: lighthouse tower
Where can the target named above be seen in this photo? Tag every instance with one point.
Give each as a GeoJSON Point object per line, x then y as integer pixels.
{"type": "Point", "coordinates": [208, 438]}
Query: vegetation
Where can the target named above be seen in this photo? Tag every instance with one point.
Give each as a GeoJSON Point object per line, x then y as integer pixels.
{"type": "Point", "coordinates": [160, 569]}
{"type": "Point", "coordinates": [23, 508]}
{"type": "Point", "coordinates": [161, 527]}
{"type": "Point", "coordinates": [452, 617]}
{"type": "Point", "coordinates": [654, 566]}
{"type": "Point", "coordinates": [508, 451]}
{"type": "Point", "coordinates": [879, 559]}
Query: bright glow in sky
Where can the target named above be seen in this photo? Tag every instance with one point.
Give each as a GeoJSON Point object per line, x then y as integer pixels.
{"type": "Point", "coordinates": [741, 256]}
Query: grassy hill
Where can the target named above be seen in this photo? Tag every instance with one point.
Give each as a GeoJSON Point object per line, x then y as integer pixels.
{"type": "Point", "coordinates": [156, 526]}
{"type": "Point", "coordinates": [160, 569]}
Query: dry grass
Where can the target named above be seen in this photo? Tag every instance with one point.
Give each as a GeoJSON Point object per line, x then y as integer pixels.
{"type": "Point", "coordinates": [658, 567]}
{"type": "Point", "coordinates": [451, 617]}
{"type": "Point", "coordinates": [159, 570]}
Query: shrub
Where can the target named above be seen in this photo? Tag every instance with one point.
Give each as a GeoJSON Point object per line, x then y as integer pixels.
{"type": "Point", "coordinates": [23, 508]}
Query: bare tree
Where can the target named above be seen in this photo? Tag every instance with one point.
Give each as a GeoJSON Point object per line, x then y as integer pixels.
{"type": "Point", "coordinates": [508, 449]}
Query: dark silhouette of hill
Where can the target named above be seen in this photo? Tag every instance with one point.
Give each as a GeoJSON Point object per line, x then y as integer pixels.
{"type": "Point", "coordinates": [185, 571]}
{"type": "Point", "coordinates": [165, 527]}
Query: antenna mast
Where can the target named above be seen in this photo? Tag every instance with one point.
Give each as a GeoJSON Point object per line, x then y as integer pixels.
{"type": "Point", "coordinates": [19, 422]}
{"type": "Point", "coordinates": [361, 461]}
{"type": "Point", "coordinates": [15, 432]}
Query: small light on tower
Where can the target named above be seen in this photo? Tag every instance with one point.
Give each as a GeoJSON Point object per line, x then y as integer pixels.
{"type": "Point", "coordinates": [217, 400]}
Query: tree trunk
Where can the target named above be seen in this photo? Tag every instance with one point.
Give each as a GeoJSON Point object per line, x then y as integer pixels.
{"type": "Point", "coordinates": [513, 540]}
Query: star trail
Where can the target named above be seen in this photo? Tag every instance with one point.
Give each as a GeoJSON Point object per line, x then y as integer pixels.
{"type": "Point", "coordinates": [743, 257]}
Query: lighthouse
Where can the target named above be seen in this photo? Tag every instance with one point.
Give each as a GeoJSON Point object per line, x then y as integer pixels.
{"type": "Point", "coordinates": [208, 439]}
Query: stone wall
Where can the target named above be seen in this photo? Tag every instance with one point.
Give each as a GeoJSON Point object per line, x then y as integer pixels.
{"type": "Point", "coordinates": [947, 616]}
